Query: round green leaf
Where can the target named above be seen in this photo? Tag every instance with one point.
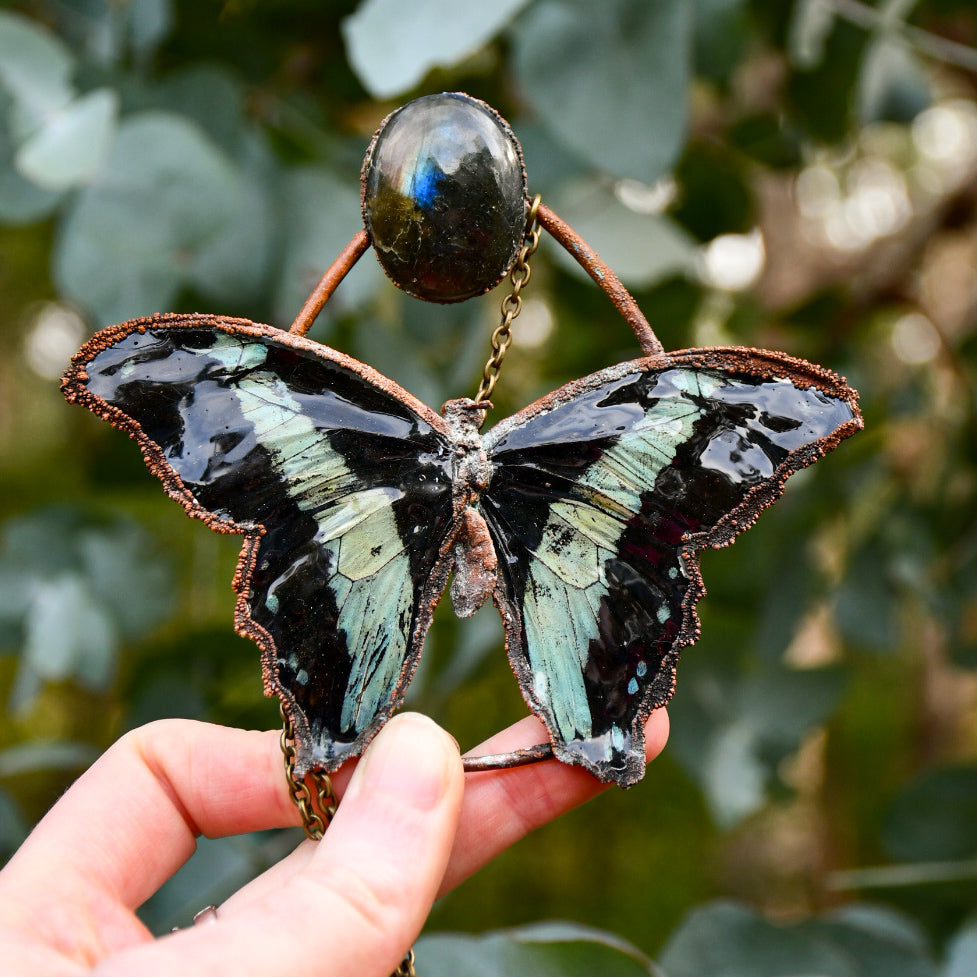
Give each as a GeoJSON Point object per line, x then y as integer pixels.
{"type": "Point", "coordinates": [560, 951]}
{"type": "Point", "coordinates": [164, 204]}
{"type": "Point", "coordinates": [882, 943]}
{"type": "Point", "coordinates": [68, 634]}
{"type": "Point", "coordinates": [640, 248]}
{"type": "Point", "coordinates": [20, 200]}
{"type": "Point", "coordinates": [610, 80]}
{"type": "Point", "coordinates": [35, 68]}
{"type": "Point", "coordinates": [724, 939]}
{"type": "Point", "coordinates": [391, 49]}
{"type": "Point", "coordinates": [320, 214]}
{"type": "Point", "coordinates": [72, 142]}
{"type": "Point", "coordinates": [45, 755]}
{"type": "Point", "coordinates": [961, 959]}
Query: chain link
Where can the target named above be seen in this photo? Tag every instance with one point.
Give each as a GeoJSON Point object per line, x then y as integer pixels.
{"type": "Point", "coordinates": [511, 305]}
{"type": "Point", "coordinates": [316, 811]}
{"type": "Point", "coordinates": [406, 968]}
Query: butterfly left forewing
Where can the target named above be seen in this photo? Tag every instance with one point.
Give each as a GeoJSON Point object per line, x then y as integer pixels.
{"type": "Point", "coordinates": [600, 496]}
{"type": "Point", "coordinates": [339, 481]}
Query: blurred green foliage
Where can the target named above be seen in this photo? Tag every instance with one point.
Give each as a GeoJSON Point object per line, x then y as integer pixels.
{"type": "Point", "coordinates": [797, 175]}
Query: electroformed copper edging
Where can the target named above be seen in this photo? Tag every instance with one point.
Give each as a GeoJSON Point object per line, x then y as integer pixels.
{"type": "Point", "coordinates": [752, 363]}
{"type": "Point", "coordinates": [742, 361]}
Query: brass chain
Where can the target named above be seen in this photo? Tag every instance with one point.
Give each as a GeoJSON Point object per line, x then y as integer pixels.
{"type": "Point", "coordinates": [319, 811]}
{"type": "Point", "coordinates": [406, 968]}
{"type": "Point", "coordinates": [511, 305]}
{"type": "Point", "coordinates": [316, 811]}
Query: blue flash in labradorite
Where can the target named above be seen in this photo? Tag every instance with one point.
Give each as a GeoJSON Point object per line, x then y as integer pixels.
{"type": "Point", "coordinates": [444, 197]}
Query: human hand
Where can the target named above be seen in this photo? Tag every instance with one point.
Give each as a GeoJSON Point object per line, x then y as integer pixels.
{"type": "Point", "coordinates": [410, 827]}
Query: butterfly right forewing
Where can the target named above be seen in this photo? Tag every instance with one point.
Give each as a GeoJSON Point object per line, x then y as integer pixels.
{"type": "Point", "coordinates": [602, 493]}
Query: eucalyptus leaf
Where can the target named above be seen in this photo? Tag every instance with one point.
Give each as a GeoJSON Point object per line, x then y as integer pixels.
{"type": "Point", "coordinates": [218, 867]}
{"type": "Point", "coordinates": [812, 22]}
{"type": "Point", "coordinates": [881, 942]}
{"type": "Point", "coordinates": [961, 957]}
{"type": "Point", "coordinates": [149, 22]}
{"type": "Point", "coordinates": [731, 731]}
{"type": "Point", "coordinates": [391, 47]}
{"type": "Point", "coordinates": [127, 578]}
{"type": "Point", "coordinates": [165, 203]}
{"type": "Point", "coordinates": [892, 84]}
{"type": "Point", "coordinates": [724, 939]}
{"type": "Point", "coordinates": [35, 69]}
{"type": "Point", "coordinates": [641, 249]}
{"type": "Point", "coordinates": [72, 143]}
{"type": "Point", "coordinates": [42, 754]}
{"type": "Point", "coordinates": [610, 80]}
{"type": "Point", "coordinates": [13, 826]}
{"type": "Point", "coordinates": [560, 951]}
{"type": "Point", "coordinates": [73, 589]}
{"type": "Point", "coordinates": [21, 201]}
{"type": "Point", "coordinates": [69, 635]}
{"type": "Point", "coordinates": [321, 213]}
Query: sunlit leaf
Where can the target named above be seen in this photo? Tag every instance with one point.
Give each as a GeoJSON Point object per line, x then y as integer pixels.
{"type": "Point", "coordinates": [610, 80]}
{"type": "Point", "coordinates": [391, 47]}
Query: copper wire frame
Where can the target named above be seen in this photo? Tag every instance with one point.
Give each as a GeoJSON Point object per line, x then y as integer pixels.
{"type": "Point", "coordinates": [606, 280]}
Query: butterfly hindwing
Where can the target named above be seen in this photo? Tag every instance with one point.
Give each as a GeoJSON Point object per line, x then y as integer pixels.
{"type": "Point", "coordinates": [339, 480]}
{"type": "Point", "coordinates": [602, 493]}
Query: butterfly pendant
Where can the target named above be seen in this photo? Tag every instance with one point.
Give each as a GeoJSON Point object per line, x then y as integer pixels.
{"type": "Point", "coordinates": [581, 516]}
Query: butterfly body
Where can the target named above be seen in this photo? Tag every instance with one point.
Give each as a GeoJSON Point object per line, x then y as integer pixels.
{"type": "Point", "coordinates": [580, 516]}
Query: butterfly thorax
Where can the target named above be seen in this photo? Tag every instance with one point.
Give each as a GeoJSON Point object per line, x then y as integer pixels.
{"type": "Point", "coordinates": [471, 468]}
{"type": "Point", "coordinates": [474, 557]}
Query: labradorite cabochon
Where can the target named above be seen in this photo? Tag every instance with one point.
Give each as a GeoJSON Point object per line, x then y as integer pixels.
{"type": "Point", "coordinates": [444, 197]}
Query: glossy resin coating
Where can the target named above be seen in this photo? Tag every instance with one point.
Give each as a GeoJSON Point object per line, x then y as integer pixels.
{"type": "Point", "coordinates": [444, 197]}
{"type": "Point", "coordinates": [581, 516]}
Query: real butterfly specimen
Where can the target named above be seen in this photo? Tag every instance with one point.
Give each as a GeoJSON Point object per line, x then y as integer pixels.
{"type": "Point", "coordinates": [581, 516]}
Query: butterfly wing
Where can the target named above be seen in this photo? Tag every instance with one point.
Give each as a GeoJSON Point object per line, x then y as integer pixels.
{"type": "Point", "coordinates": [600, 496]}
{"type": "Point", "coordinates": [339, 480]}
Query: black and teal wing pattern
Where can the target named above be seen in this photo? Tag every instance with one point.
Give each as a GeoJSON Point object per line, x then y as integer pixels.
{"type": "Point", "coordinates": [600, 496]}
{"type": "Point", "coordinates": [340, 481]}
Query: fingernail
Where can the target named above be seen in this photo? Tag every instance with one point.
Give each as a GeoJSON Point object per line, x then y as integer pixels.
{"type": "Point", "coordinates": [412, 757]}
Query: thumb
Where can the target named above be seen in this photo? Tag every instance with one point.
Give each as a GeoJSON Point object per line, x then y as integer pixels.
{"type": "Point", "coordinates": [355, 906]}
{"type": "Point", "coordinates": [387, 848]}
